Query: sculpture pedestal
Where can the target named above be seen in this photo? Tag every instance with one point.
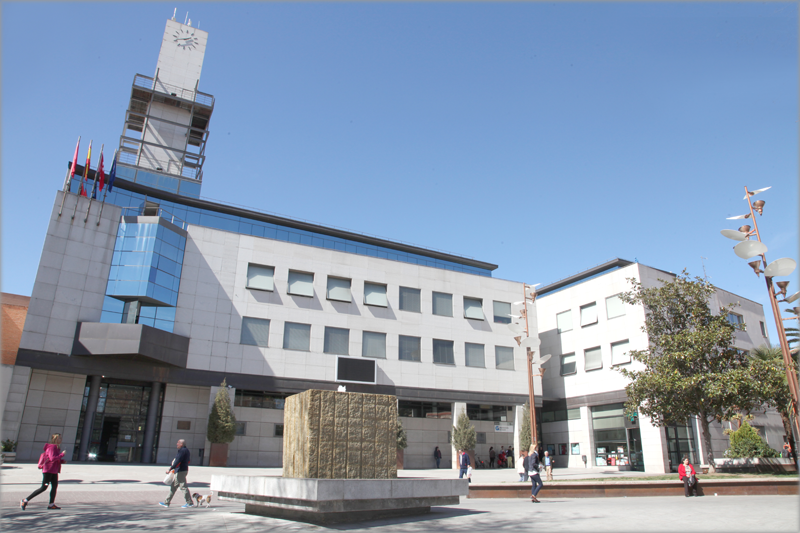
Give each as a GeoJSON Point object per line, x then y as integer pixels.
{"type": "Point", "coordinates": [332, 501]}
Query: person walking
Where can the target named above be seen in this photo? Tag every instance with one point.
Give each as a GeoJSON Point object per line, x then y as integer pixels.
{"type": "Point", "coordinates": [532, 467]}
{"type": "Point", "coordinates": [687, 474]}
{"type": "Point", "coordinates": [180, 466]}
{"type": "Point", "coordinates": [50, 463]}
{"type": "Point", "coordinates": [523, 474]}
{"type": "Point", "coordinates": [437, 454]}
{"type": "Point", "coordinates": [492, 456]}
{"type": "Point", "coordinates": [463, 463]}
{"type": "Point", "coordinates": [548, 465]}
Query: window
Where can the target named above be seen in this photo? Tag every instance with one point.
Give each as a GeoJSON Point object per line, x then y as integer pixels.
{"type": "Point", "coordinates": [737, 321]}
{"type": "Point", "coordinates": [559, 413]}
{"type": "Point", "coordinates": [574, 414]}
{"type": "Point", "coordinates": [375, 294]}
{"type": "Point", "coordinates": [296, 336]}
{"type": "Point", "coordinates": [619, 353]}
{"type": "Point", "coordinates": [413, 409]}
{"type": "Point", "coordinates": [442, 304]}
{"type": "Point", "coordinates": [337, 341]}
{"type": "Point", "coordinates": [409, 299]}
{"type": "Point", "coordinates": [259, 399]}
{"type": "Point", "coordinates": [241, 429]}
{"type": "Point", "coordinates": [374, 345]}
{"type": "Point", "coordinates": [491, 413]}
{"type": "Point", "coordinates": [301, 283]}
{"type": "Point", "coordinates": [474, 355]}
{"type": "Point", "coordinates": [339, 289]}
{"type": "Point", "coordinates": [260, 277]}
{"type": "Point", "coordinates": [443, 352]}
{"type": "Point", "coordinates": [564, 321]}
{"type": "Point", "coordinates": [278, 430]}
{"type": "Point", "coordinates": [502, 310]}
{"type": "Point", "coordinates": [473, 308]}
{"type": "Point", "coordinates": [504, 357]}
{"type": "Point", "coordinates": [480, 437]}
{"type": "Point", "coordinates": [255, 331]}
{"type": "Point", "coordinates": [409, 348]}
{"type": "Point", "coordinates": [763, 329]}
{"type": "Point", "coordinates": [576, 448]}
{"type": "Point", "coordinates": [593, 359]}
{"type": "Point", "coordinates": [568, 365]}
{"type": "Point", "coordinates": [589, 314]}
{"type": "Point", "coordinates": [614, 307]}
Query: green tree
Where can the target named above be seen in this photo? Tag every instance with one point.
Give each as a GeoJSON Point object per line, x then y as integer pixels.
{"type": "Point", "coordinates": [464, 437]}
{"type": "Point", "coordinates": [525, 429]}
{"type": "Point", "coordinates": [691, 367]}
{"type": "Point", "coordinates": [402, 439]}
{"type": "Point", "coordinates": [221, 421]}
{"type": "Point", "coordinates": [747, 443]}
{"type": "Point", "coordinates": [769, 370]}
{"type": "Point", "coordinates": [793, 338]}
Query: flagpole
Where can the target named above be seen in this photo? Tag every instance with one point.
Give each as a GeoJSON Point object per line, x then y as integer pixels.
{"type": "Point", "coordinates": [70, 174]}
{"type": "Point", "coordinates": [85, 174]}
{"type": "Point", "coordinates": [94, 187]}
{"type": "Point", "coordinates": [111, 175]}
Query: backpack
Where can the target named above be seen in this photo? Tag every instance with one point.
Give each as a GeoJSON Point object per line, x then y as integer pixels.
{"type": "Point", "coordinates": [42, 460]}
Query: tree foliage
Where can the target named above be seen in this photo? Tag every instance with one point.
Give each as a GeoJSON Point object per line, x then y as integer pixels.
{"type": "Point", "coordinates": [464, 437]}
{"type": "Point", "coordinates": [769, 370]}
{"type": "Point", "coordinates": [691, 366]}
{"type": "Point", "coordinates": [747, 443]}
{"type": "Point", "coordinates": [525, 429]}
{"type": "Point", "coordinates": [402, 439]}
{"type": "Point", "coordinates": [221, 420]}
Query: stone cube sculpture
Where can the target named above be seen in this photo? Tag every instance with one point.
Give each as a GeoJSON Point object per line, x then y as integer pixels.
{"type": "Point", "coordinates": [340, 435]}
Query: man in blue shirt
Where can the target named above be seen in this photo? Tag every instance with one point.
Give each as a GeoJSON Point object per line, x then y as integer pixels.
{"type": "Point", "coordinates": [180, 466]}
{"type": "Point", "coordinates": [463, 463]}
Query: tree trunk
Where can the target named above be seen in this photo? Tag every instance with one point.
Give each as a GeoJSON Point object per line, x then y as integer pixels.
{"type": "Point", "coordinates": [707, 443]}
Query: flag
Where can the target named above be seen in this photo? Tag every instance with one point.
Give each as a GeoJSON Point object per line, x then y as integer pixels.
{"type": "Point", "coordinates": [86, 170]}
{"type": "Point", "coordinates": [98, 175]}
{"type": "Point", "coordinates": [102, 174]}
{"type": "Point", "coordinates": [74, 160]}
{"type": "Point", "coordinates": [112, 174]}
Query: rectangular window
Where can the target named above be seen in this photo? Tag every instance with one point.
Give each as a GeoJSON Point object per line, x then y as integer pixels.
{"type": "Point", "coordinates": [409, 299]}
{"type": "Point", "coordinates": [297, 336]}
{"type": "Point", "coordinates": [473, 308]}
{"type": "Point", "coordinates": [260, 277]}
{"type": "Point", "coordinates": [260, 399]}
{"type": "Point", "coordinates": [593, 358]}
{"type": "Point", "coordinates": [409, 348]}
{"type": "Point", "coordinates": [736, 320]}
{"type": "Point", "coordinates": [339, 289]}
{"type": "Point", "coordinates": [576, 448]}
{"type": "Point", "coordinates": [278, 430]}
{"type": "Point", "coordinates": [564, 321]}
{"type": "Point", "coordinates": [414, 409]}
{"type": "Point", "coordinates": [442, 304]}
{"type": "Point", "coordinates": [588, 314]}
{"type": "Point", "coordinates": [574, 414]}
{"type": "Point", "coordinates": [619, 353]}
{"type": "Point", "coordinates": [443, 352]}
{"type": "Point", "coordinates": [502, 310]}
{"type": "Point", "coordinates": [504, 357]}
{"type": "Point", "coordinates": [255, 331]}
{"type": "Point", "coordinates": [491, 413]}
{"type": "Point", "coordinates": [375, 294]}
{"type": "Point", "coordinates": [568, 365]}
{"type": "Point", "coordinates": [763, 329]}
{"type": "Point", "coordinates": [480, 437]}
{"type": "Point", "coordinates": [474, 355]}
{"type": "Point", "coordinates": [614, 307]}
{"type": "Point", "coordinates": [301, 283]}
{"type": "Point", "coordinates": [241, 429]}
{"type": "Point", "coordinates": [337, 341]}
{"type": "Point", "coordinates": [374, 345]}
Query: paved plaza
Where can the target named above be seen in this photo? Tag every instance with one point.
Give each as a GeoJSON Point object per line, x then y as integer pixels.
{"type": "Point", "coordinates": [110, 498]}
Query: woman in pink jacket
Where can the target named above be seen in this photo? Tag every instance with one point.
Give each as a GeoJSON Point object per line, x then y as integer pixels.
{"type": "Point", "coordinates": [50, 463]}
{"type": "Point", "coordinates": [689, 477]}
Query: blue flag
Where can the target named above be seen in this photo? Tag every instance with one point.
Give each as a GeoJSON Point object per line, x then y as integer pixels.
{"type": "Point", "coordinates": [112, 174]}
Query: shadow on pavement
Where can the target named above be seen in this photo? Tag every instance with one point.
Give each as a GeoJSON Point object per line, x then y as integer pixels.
{"type": "Point", "coordinates": [437, 513]}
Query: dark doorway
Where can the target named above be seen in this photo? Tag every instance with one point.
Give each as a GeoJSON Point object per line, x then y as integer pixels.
{"type": "Point", "coordinates": [108, 440]}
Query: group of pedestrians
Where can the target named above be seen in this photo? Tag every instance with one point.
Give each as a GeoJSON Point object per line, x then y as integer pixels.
{"type": "Point", "coordinates": [504, 459]}
{"type": "Point", "coordinates": [52, 458]}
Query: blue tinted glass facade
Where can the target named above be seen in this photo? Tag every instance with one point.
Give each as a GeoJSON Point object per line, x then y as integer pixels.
{"type": "Point", "coordinates": [257, 228]}
{"type": "Point", "coordinates": [164, 182]}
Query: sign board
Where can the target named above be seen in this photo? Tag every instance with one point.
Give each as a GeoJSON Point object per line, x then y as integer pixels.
{"type": "Point", "coordinates": [504, 429]}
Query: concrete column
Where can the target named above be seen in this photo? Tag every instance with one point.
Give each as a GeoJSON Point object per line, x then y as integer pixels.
{"type": "Point", "coordinates": [458, 408]}
{"type": "Point", "coordinates": [519, 411]}
{"type": "Point", "coordinates": [88, 418]}
{"type": "Point", "coordinates": [150, 425]}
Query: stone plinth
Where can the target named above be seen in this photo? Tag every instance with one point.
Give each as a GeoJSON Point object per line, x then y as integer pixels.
{"type": "Point", "coordinates": [340, 435]}
{"type": "Point", "coordinates": [331, 501]}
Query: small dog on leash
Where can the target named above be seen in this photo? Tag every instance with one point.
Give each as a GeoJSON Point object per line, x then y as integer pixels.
{"type": "Point", "coordinates": [204, 500]}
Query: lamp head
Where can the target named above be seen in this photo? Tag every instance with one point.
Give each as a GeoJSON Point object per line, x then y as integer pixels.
{"type": "Point", "coordinates": [758, 205]}
{"type": "Point", "coordinates": [745, 229]}
{"type": "Point", "coordinates": [518, 339]}
{"type": "Point", "coordinates": [782, 286]}
{"type": "Point", "coordinates": [755, 266]}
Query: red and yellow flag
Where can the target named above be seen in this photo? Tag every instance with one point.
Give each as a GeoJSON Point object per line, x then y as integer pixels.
{"type": "Point", "coordinates": [86, 170]}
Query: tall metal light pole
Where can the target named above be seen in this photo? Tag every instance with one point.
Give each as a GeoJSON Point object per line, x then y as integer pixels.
{"type": "Point", "coordinates": [748, 249]}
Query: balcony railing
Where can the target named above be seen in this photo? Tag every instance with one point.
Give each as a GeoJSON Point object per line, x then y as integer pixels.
{"type": "Point", "coordinates": [146, 82]}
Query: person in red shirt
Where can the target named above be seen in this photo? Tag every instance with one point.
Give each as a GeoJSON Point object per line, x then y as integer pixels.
{"type": "Point", "coordinates": [689, 477]}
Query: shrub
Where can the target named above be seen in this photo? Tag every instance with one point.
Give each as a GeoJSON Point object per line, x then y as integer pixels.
{"type": "Point", "coordinates": [9, 445]}
{"type": "Point", "coordinates": [464, 437]}
{"type": "Point", "coordinates": [525, 429]}
{"type": "Point", "coordinates": [221, 421]}
{"type": "Point", "coordinates": [402, 440]}
{"type": "Point", "coordinates": [746, 443]}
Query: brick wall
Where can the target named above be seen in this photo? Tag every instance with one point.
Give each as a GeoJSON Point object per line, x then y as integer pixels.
{"type": "Point", "coordinates": [14, 310]}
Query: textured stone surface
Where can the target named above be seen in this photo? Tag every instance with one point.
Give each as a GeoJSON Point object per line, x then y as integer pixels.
{"type": "Point", "coordinates": [340, 435]}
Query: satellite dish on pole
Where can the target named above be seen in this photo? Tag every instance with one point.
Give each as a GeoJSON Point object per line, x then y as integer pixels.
{"type": "Point", "coordinates": [780, 267]}
{"type": "Point", "coordinates": [748, 249]}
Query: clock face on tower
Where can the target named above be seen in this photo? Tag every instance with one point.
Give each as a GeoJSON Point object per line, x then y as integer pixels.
{"type": "Point", "coordinates": [185, 39]}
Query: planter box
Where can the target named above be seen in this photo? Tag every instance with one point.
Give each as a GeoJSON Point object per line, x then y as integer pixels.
{"type": "Point", "coordinates": [756, 464]}
{"type": "Point", "coordinates": [219, 455]}
{"type": "Point", "coordinates": [9, 457]}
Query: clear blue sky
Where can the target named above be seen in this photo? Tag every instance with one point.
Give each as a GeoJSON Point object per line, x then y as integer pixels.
{"type": "Point", "coordinates": [546, 138]}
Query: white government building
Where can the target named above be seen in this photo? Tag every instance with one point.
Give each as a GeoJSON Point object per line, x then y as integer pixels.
{"type": "Point", "coordinates": [143, 304]}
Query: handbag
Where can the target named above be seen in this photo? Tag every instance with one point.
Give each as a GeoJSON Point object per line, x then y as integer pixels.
{"type": "Point", "coordinates": [692, 479]}
{"type": "Point", "coordinates": [170, 478]}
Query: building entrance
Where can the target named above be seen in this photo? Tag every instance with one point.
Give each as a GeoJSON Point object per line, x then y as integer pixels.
{"type": "Point", "coordinates": [635, 446]}
{"type": "Point", "coordinates": [119, 424]}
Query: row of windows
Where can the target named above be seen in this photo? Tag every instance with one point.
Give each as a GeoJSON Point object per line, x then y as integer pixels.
{"type": "Point", "coordinates": [262, 277]}
{"type": "Point", "coordinates": [260, 399]}
{"type": "Point", "coordinates": [593, 358]}
{"type": "Point", "coordinates": [413, 409]}
{"type": "Point", "coordinates": [296, 336]}
{"type": "Point", "coordinates": [615, 307]}
{"type": "Point", "coordinates": [561, 414]}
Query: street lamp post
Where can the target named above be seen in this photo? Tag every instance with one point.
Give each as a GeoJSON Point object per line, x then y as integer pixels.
{"type": "Point", "coordinates": [748, 249]}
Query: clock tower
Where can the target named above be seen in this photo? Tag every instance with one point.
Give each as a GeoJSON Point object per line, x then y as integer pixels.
{"type": "Point", "coordinates": [166, 124]}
